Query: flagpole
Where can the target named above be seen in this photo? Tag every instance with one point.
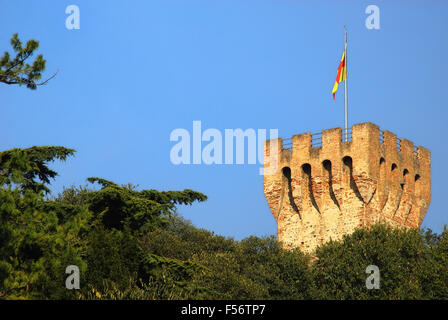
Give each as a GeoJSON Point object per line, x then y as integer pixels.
{"type": "Point", "coordinates": [345, 85]}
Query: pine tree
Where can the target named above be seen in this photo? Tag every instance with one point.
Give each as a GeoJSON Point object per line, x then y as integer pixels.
{"type": "Point", "coordinates": [17, 71]}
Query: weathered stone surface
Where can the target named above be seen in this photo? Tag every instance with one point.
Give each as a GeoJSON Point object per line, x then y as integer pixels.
{"type": "Point", "coordinates": [321, 193]}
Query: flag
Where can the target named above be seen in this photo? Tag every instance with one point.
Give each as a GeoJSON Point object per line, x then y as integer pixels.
{"type": "Point", "coordinates": [340, 75]}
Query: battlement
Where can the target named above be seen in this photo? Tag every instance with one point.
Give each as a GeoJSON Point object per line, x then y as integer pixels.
{"type": "Point", "coordinates": [326, 186]}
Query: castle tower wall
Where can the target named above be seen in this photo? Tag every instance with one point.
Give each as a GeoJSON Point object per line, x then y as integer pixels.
{"type": "Point", "coordinates": [324, 187]}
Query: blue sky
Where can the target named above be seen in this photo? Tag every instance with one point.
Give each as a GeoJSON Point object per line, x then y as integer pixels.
{"type": "Point", "coordinates": [136, 70]}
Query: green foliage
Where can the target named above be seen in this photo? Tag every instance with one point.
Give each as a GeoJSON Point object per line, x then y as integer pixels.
{"type": "Point", "coordinates": [284, 274]}
{"type": "Point", "coordinates": [412, 265]}
{"type": "Point", "coordinates": [340, 269]}
{"type": "Point", "coordinates": [111, 255]}
{"type": "Point", "coordinates": [434, 271]}
{"type": "Point", "coordinates": [255, 268]}
{"type": "Point", "coordinates": [97, 230]}
{"type": "Point", "coordinates": [34, 248]}
{"type": "Point", "coordinates": [16, 70]}
{"type": "Point", "coordinates": [132, 244]}
{"type": "Point", "coordinates": [24, 166]}
{"type": "Point", "coordinates": [165, 289]}
{"type": "Point", "coordinates": [142, 210]}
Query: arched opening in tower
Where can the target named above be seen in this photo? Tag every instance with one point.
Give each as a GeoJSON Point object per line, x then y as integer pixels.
{"type": "Point", "coordinates": [406, 197]}
{"type": "Point", "coordinates": [383, 190]}
{"type": "Point", "coordinates": [405, 176]}
{"type": "Point", "coordinates": [418, 185]}
{"type": "Point", "coordinates": [327, 166]}
{"type": "Point", "coordinates": [287, 175]}
{"type": "Point", "coordinates": [348, 163]}
{"type": "Point", "coordinates": [306, 169]}
{"type": "Point", "coordinates": [396, 178]}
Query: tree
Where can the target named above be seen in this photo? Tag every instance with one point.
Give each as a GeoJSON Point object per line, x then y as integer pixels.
{"type": "Point", "coordinates": [96, 229]}
{"type": "Point", "coordinates": [401, 255]}
{"type": "Point", "coordinates": [17, 71]}
{"type": "Point", "coordinates": [28, 168]}
{"type": "Point", "coordinates": [35, 246]}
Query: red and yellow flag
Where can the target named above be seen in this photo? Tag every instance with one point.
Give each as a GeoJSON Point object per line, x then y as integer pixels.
{"type": "Point", "coordinates": [340, 75]}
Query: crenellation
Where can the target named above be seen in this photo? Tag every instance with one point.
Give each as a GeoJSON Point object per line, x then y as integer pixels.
{"type": "Point", "coordinates": [301, 146]}
{"type": "Point", "coordinates": [322, 192]}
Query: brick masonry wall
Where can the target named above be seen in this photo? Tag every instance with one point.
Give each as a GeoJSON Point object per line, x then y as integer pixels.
{"type": "Point", "coordinates": [321, 193]}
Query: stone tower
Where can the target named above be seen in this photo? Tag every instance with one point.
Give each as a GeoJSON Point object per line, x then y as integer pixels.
{"type": "Point", "coordinates": [322, 187]}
